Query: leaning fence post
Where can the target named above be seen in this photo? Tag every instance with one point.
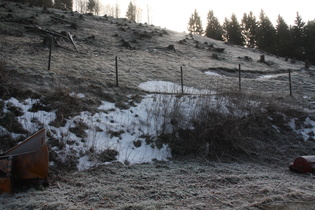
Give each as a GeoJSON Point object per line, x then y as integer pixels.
{"type": "Point", "coordinates": [50, 49]}
{"type": "Point", "coordinates": [290, 85]}
{"type": "Point", "coordinates": [116, 65]}
{"type": "Point", "coordinates": [182, 80]}
{"type": "Point", "coordinates": [239, 77]}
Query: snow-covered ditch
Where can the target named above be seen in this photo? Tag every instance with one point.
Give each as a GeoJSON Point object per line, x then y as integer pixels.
{"type": "Point", "coordinates": [211, 73]}
{"type": "Point", "coordinates": [262, 77]}
{"type": "Point", "coordinates": [131, 132]}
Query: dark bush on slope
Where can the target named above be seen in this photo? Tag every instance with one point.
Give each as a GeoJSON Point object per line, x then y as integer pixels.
{"type": "Point", "coordinates": [263, 134]}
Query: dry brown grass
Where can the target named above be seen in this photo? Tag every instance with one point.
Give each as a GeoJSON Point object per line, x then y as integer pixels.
{"type": "Point", "coordinates": [254, 127]}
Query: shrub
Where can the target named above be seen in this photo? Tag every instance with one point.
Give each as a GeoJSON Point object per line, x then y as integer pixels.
{"type": "Point", "coordinates": [232, 125]}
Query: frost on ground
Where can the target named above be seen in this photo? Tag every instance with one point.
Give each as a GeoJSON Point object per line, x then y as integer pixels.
{"type": "Point", "coordinates": [179, 184]}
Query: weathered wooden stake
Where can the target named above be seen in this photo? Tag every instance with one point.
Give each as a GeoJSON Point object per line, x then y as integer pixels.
{"type": "Point", "coordinates": [262, 58]}
{"type": "Point", "coordinates": [50, 49]}
{"type": "Point", "coordinates": [239, 78]}
{"type": "Point", "coordinates": [290, 85]}
{"type": "Point", "coordinates": [182, 80]}
{"type": "Point", "coordinates": [116, 64]}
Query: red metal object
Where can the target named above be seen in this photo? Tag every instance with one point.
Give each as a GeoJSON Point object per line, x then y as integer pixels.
{"type": "Point", "coordinates": [303, 164]}
{"type": "Point", "coordinates": [26, 162]}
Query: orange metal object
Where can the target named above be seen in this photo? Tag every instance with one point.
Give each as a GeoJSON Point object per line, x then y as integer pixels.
{"type": "Point", "coordinates": [27, 161]}
{"type": "Point", "coordinates": [303, 164]}
{"type": "Point", "coordinates": [5, 175]}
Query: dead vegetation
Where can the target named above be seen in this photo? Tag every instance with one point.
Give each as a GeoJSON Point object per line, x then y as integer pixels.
{"type": "Point", "coordinates": [253, 128]}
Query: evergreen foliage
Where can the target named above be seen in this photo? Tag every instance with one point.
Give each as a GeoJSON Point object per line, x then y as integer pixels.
{"type": "Point", "coordinates": [266, 33]}
{"type": "Point", "coordinates": [310, 41]}
{"type": "Point", "coordinates": [233, 31]}
{"type": "Point", "coordinates": [131, 12]}
{"type": "Point", "coordinates": [249, 27]}
{"type": "Point", "coordinates": [91, 5]}
{"type": "Point", "coordinates": [194, 24]}
{"type": "Point", "coordinates": [283, 39]}
{"type": "Point", "coordinates": [298, 34]}
{"type": "Point", "coordinates": [214, 29]}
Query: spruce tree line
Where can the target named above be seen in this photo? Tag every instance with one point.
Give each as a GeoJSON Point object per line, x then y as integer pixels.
{"type": "Point", "coordinates": [297, 41]}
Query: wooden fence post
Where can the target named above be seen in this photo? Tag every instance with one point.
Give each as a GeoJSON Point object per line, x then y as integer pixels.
{"type": "Point", "coordinates": [50, 49]}
{"type": "Point", "coordinates": [116, 66]}
{"type": "Point", "coordinates": [182, 80]}
{"type": "Point", "coordinates": [290, 85]}
{"type": "Point", "coordinates": [239, 78]}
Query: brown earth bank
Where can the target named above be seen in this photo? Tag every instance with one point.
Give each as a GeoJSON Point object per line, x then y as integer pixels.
{"type": "Point", "coordinates": [178, 184]}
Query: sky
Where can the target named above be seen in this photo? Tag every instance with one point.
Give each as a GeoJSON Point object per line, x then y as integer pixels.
{"type": "Point", "coordinates": [175, 14]}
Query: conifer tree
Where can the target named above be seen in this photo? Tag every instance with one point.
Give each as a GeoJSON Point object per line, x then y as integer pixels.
{"type": "Point", "coordinates": [225, 27]}
{"type": "Point", "coordinates": [91, 5]}
{"type": "Point", "coordinates": [283, 40]}
{"type": "Point", "coordinates": [249, 29]}
{"type": "Point", "coordinates": [265, 34]}
{"type": "Point", "coordinates": [214, 29]}
{"type": "Point", "coordinates": [310, 41]}
{"type": "Point", "coordinates": [233, 32]}
{"type": "Point", "coordinates": [298, 34]}
{"type": "Point", "coordinates": [194, 24]}
{"type": "Point", "coordinates": [131, 12]}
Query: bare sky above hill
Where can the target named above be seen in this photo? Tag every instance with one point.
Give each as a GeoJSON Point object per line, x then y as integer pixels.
{"type": "Point", "coordinates": [175, 14]}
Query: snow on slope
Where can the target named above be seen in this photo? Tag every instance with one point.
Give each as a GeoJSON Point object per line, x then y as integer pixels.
{"type": "Point", "coordinates": [131, 126]}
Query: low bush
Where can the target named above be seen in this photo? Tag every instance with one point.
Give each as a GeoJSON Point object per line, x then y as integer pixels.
{"type": "Point", "coordinates": [233, 125]}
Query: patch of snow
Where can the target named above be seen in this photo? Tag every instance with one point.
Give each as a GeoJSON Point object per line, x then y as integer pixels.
{"type": "Point", "coordinates": [77, 95]}
{"type": "Point", "coordinates": [131, 132]}
{"type": "Point", "coordinates": [269, 76]}
{"type": "Point", "coordinates": [85, 163]}
{"type": "Point", "coordinates": [106, 106]}
{"type": "Point", "coordinates": [31, 121]}
{"type": "Point", "coordinates": [110, 128]}
{"type": "Point", "coordinates": [307, 130]}
{"type": "Point", "coordinates": [170, 87]}
{"type": "Point", "coordinates": [211, 73]}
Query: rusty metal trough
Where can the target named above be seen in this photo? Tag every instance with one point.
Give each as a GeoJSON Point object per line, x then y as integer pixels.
{"type": "Point", "coordinates": [26, 162]}
{"type": "Point", "coordinates": [303, 164]}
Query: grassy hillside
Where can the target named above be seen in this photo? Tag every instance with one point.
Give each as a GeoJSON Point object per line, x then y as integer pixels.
{"type": "Point", "coordinates": [147, 53]}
